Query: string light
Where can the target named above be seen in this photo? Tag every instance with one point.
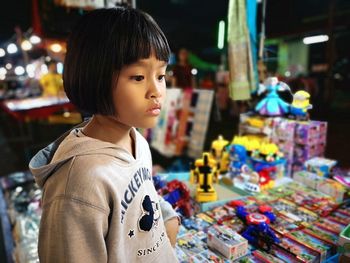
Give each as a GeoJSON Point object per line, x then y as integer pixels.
{"type": "Point", "coordinates": [19, 70]}
{"type": "Point", "coordinates": [26, 45]}
{"type": "Point", "coordinates": [3, 71]}
{"type": "Point", "coordinates": [35, 39]}
{"type": "Point", "coordinates": [56, 47]}
{"type": "Point", "coordinates": [2, 52]}
{"type": "Point", "coordinates": [12, 48]}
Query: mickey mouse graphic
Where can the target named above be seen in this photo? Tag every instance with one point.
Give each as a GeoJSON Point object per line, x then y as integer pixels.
{"type": "Point", "coordinates": [150, 214]}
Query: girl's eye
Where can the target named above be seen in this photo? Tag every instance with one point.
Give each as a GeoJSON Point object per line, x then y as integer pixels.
{"type": "Point", "coordinates": [138, 78]}
{"type": "Point", "coordinates": [161, 77]}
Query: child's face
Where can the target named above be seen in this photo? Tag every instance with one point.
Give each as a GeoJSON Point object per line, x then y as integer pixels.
{"type": "Point", "coordinates": [140, 92]}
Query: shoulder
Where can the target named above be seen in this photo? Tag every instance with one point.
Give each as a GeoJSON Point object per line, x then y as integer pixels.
{"type": "Point", "coordinates": [88, 181]}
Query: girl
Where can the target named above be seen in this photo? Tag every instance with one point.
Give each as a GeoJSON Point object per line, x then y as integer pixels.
{"type": "Point", "coordinates": [99, 203]}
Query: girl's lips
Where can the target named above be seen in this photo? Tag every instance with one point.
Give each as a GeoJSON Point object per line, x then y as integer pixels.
{"type": "Point", "coordinates": [154, 110]}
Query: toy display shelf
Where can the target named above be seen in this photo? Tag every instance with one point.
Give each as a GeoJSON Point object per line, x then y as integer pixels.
{"type": "Point", "coordinates": [224, 193]}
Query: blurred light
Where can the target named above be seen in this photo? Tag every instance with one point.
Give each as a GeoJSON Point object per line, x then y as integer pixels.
{"type": "Point", "coordinates": [56, 48]}
{"type": "Point", "coordinates": [8, 66]}
{"type": "Point", "coordinates": [287, 73]}
{"type": "Point", "coordinates": [221, 35]}
{"type": "Point", "coordinates": [315, 39]}
{"type": "Point", "coordinates": [35, 39]}
{"type": "Point", "coordinates": [47, 59]}
{"type": "Point", "coordinates": [26, 45]}
{"type": "Point", "coordinates": [44, 69]}
{"type": "Point", "coordinates": [2, 52]}
{"type": "Point", "coordinates": [59, 67]}
{"type": "Point", "coordinates": [336, 76]}
{"type": "Point", "coordinates": [30, 68]}
{"type": "Point", "coordinates": [2, 77]}
{"type": "Point", "coordinates": [31, 75]}
{"type": "Point", "coordinates": [19, 70]}
{"type": "Point", "coordinates": [66, 114]}
{"type": "Point", "coordinates": [194, 71]}
{"type": "Point", "coordinates": [12, 48]}
{"type": "Point", "coordinates": [3, 71]}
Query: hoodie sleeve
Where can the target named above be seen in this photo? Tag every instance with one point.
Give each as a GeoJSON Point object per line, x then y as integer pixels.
{"type": "Point", "coordinates": [167, 210]}
{"type": "Point", "coordinates": [72, 231]}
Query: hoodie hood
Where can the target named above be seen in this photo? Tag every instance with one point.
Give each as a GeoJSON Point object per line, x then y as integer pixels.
{"type": "Point", "coordinates": [71, 144]}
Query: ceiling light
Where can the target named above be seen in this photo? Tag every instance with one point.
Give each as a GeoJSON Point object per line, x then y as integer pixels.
{"type": "Point", "coordinates": [315, 39]}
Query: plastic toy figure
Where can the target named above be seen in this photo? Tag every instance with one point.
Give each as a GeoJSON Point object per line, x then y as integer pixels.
{"type": "Point", "coordinates": [219, 153]}
{"type": "Point", "coordinates": [238, 157]}
{"type": "Point", "coordinates": [265, 172]}
{"type": "Point", "coordinates": [205, 170]}
{"type": "Point", "coordinates": [300, 105]}
{"type": "Point", "coordinates": [248, 180]}
{"type": "Point", "coordinates": [272, 104]}
{"type": "Point", "coordinates": [218, 146]}
{"type": "Point", "coordinates": [178, 195]}
{"type": "Point", "coordinates": [258, 232]}
{"type": "Point", "coordinates": [269, 152]}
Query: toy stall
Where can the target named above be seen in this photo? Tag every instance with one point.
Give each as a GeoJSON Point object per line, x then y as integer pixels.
{"type": "Point", "coordinates": [268, 194]}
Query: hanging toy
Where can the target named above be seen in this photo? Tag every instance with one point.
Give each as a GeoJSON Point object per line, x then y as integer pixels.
{"type": "Point", "coordinates": [272, 104]}
{"type": "Point", "coordinates": [300, 105]}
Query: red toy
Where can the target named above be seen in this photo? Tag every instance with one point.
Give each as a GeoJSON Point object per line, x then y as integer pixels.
{"type": "Point", "coordinates": [178, 195]}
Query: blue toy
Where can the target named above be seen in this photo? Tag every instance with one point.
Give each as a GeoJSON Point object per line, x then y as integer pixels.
{"type": "Point", "coordinates": [272, 104]}
{"type": "Point", "coordinates": [258, 232]}
{"type": "Point", "coordinates": [238, 158]}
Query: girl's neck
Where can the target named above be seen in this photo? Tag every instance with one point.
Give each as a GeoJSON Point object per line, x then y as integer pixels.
{"type": "Point", "coordinates": [108, 129]}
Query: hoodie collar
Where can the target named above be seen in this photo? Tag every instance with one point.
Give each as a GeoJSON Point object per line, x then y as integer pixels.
{"type": "Point", "coordinates": [73, 143]}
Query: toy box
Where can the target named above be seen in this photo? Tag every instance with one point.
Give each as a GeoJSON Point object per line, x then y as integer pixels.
{"type": "Point", "coordinates": [306, 178]}
{"type": "Point", "coordinates": [227, 242]}
{"type": "Point", "coordinates": [283, 130]}
{"type": "Point", "coordinates": [263, 256]}
{"type": "Point", "coordinates": [330, 225]}
{"type": "Point", "coordinates": [305, 152]}
{"type": "Point", "coordinates": [191, 245]}
{"type": "Point", "coordinates": [311, 132]}
{"type": "Point", "coordinates": [319, 165]}
{"type": "Point", "coordinates": [311, 242]}
{"type": "Point", "coordinates": [331, 188]}
{"type": "Point", "coordinates": [304, 253]}
{"type": "Point", "coordinates": [322, 234]}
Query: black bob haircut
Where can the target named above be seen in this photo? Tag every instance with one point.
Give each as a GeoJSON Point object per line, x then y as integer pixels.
{"type": "Point", "coordinates": [102, 42]}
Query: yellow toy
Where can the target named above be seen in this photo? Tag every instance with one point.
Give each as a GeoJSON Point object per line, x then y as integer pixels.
{"type": "Point", "coordinates": [205, 171]}
{"type": "Point", "coordinates": [301, 104]}
{"type": "Point", "coordinates": [219, 153]}
{"type": "Point", "coordinates": [256, 122]}
{"type": "Point", "coordinates": [269, 151]}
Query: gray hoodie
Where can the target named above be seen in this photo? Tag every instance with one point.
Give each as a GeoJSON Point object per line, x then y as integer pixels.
{"type": "Point", "coordinates": [99, 203]}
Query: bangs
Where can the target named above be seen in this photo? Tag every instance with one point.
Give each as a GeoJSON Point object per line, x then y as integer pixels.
{"type": "Point", "coordinates": [144, 39]}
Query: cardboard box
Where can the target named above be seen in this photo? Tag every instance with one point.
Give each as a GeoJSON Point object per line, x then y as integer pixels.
{"type": "Point", "coordinates": [226, 241]}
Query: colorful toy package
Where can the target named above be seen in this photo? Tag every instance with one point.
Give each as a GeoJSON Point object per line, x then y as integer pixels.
{"type": "Point", "coordinates": [311, 242]}
{"type": "Point", "coordinates": [190, 245]}
{"type": "Point", "coordinates": [227, 242]}
{"type": "Point", "coordinates": [321, 166]}
{"type": "Point", "coordinates": [322, 234]}
{"type": "Point", "coordinates": [302, 252]}
{"type": "Point", "coordinates": [312, 132]}
{"type": "Point", "coordinates": [330, 225]}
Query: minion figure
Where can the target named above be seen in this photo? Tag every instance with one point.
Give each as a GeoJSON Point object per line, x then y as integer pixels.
{"type": "Point", "coordinates": [300, 105]}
